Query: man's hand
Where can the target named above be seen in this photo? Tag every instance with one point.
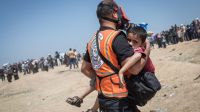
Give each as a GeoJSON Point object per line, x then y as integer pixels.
{"type": "Point", "coordinates": [147, 48]}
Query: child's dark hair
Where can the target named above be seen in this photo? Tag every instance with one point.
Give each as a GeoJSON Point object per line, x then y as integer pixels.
{"type": "Point", "coordinates": [139, 31]}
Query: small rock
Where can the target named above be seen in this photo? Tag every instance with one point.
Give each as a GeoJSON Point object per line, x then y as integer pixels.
{"type": "Point", "coordinates": [164, 86]}
{"type": "Point", "coordinates": [172, 50]}
{"type": "Point", "coordinates": [197, 77]}
{"type": "Point", "coordinates": [164, 95]}
{"type": "Point", "coordinates": [172, 94]}
{"type": "Point", "coordinates": [175, 86]}
{"type": "Point", "coordinates": [180, 53]}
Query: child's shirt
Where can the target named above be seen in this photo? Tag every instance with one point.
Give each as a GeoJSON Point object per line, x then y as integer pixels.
{"type": "Point", "coordinates": [149, 67]}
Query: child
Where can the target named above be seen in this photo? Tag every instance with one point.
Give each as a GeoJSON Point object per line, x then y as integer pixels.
{"type": "Point", "coordinates": [137, 36]}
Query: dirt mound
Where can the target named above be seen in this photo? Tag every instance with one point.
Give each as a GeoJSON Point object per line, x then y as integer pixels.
{"type": "Point", "coordinates": [182, 52]}
{"type": "Point", "coordinates": [178, 69]}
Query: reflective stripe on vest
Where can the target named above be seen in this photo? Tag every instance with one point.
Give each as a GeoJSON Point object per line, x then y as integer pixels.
{"type": "Point", "coordinates": [104, 73]}
{"type": "Point", "coordinates": [106, 45]}
{"type": "Point", "coordinates": [114, 94]}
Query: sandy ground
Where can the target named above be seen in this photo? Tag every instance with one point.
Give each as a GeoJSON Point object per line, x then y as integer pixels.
{"type": "Point", "coordinates": [177, 67]}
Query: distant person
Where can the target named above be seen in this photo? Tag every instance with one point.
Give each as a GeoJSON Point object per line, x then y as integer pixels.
{"type": "Point", "coordinates": [31, 66]}
{"type": "Point", "coordinates": [187, 33]}
{"type": "Point", "coordinates": [2, 76]}
{"type": "Point", "coordinates": [76, 57]}
{"type": "Point", "coordinates": [179, 33]}
{"type": "Point", "coordinates": [79, 57]}
{"type": "Point", "coordinates": [195, 25]}
{"type": "Point", "coordinates": [28, 66]}
{"type": "Point", "coordinates": [9, 73]}
{"type": "Point", "coordinates": [151, 40]}
{"type": "Point", "coordinates": [15, 72]}
{"type": "Point", "coordinates": [36, 66]}
{"type": "Point", "coordinates": [72, 58]}
{"type": "Point", "coordinates": [163, 40]}
{"type": "Point", "coordinates": [183, 27]}
{"type": "Point", "coordinates": [57, 57]}
{"type": "Point", "coordinates": [50, 61]}
{"type": "Point", "coordinates": [66, 59]}
{"type": "Point", "coordinates": [19, 65]}
{"type": "Point", "coordinates": [199, 33]}
{"type": "Point", "coordinates": [159, 40]}
{"type": "Point", "coordinates": [23, 68]}
{"type": "Point", "coordinates": [198, 28]}
{"type": "Point", "coordinates": [62, 58]}
{"type": "Point", "coordinates": [46, 65]}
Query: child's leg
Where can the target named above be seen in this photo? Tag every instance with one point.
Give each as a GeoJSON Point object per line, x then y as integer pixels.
{"type": "Point", "coordinates": [90, 89]}
{"type": "Point", "coordinates": [95, 106]}
{"type": "Point", "coordinates": [77, 100]}
{"type": "Point", "coordinates": [87, 92]}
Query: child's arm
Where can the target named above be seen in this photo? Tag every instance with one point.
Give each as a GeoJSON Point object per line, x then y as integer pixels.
{"type": "Point", "coordinates": [132, 60]}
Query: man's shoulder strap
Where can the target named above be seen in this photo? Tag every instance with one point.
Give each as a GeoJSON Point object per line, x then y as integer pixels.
{"type": "Point", "coordinates": [115, 69]}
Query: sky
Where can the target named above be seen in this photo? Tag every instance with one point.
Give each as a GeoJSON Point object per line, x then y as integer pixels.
{"type": "Point", "coordinates": [36, 28]}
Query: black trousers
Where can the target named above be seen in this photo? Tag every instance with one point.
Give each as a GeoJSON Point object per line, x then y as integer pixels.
{"type": "Point", "coordinates": [2, 76]}
{"type": "Point", "coordinates": [72, 61]}
{"type": "Point", "coordinates": [9, 77]}
{"type": "Point", "coordinates": [116, 105]}
{"type": "Point", "coordinates": [16, 76]}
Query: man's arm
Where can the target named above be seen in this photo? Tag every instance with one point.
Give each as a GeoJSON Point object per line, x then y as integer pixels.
{"type": "Point", "coordinates": [87, 69]}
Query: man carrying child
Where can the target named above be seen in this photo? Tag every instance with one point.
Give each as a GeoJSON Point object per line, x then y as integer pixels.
{"type": "Point", "coordinates": [114, 46]}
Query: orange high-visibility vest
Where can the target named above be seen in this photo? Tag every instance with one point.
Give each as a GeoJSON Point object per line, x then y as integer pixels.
{"type": "Point", "coordinates": [106, 83]}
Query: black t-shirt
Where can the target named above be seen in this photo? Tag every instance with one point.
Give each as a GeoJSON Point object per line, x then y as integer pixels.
{"type": "Point", "coordinates": [120, 46]}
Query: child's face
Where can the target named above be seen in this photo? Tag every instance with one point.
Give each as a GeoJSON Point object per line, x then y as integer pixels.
{"type": "Point", "coordinates": [135, 40]}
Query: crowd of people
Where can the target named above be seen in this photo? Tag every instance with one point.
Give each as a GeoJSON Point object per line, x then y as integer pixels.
{"type": "Point", "coordinates": [32, 66]}
{"type": "Point", "coordinates": [112, 59]}
{"type": "Point", "coordinates": [176, 34]}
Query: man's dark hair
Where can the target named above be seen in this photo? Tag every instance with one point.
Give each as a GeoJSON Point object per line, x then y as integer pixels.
{"type": "Point", "coordinates": [139, 31]}
{"type": "Point", "coordinates": [106, 8]}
